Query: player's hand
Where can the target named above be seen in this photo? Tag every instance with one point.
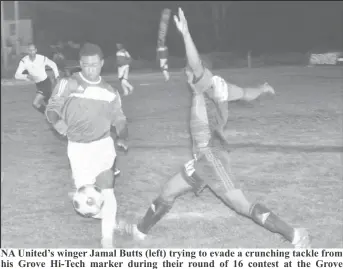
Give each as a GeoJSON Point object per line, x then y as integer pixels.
{"type": "Point", "coordinates": [61, 127]}
{"type": "Point", "coordinates": [122, 146]}
{"type": "Point", "coordinates": [181, 22]}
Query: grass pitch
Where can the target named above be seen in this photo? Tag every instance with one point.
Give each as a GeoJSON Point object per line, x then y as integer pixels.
{"type": "Point", "coordinates": [286, 153]}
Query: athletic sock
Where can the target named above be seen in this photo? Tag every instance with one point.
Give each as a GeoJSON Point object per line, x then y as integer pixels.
{"type": "Point", "coordinates": [267, 219]}
{"type": "Point", "coordinates": [158, 209]}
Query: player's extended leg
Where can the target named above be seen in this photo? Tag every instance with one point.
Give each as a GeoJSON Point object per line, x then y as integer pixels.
{"type": "Point", "coordinates": [121, 78]}
{"type": "Point", "coordinates": [253, 93]}
{"type": "Point", "coordinates": [125, 79]}
{"type": "Point", "coordinates": [172, 189]}
{"type": "Point", "coordinates": [214, 166]}
{"type": "Point", "coordinates": [109, 210]}
{"type": "Point", "coordinates": [91, 163]}
{"type": "Point", "coordinates": [44, 90]}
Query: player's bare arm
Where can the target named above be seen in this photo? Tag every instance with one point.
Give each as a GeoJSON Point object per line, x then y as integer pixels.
{"type": "Point", "coordinates": [193, 58]}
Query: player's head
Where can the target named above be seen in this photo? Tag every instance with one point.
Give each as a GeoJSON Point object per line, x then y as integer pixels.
{"type": "Point", "coordinates": [91, 61]}
{"type": "Point", "coordinates": [119, 46]}
{"type": "Point", "coordinates": [31, 50]}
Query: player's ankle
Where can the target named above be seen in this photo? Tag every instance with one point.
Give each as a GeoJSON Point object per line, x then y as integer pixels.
{"type": "Point", "coordinates": [140, 235]}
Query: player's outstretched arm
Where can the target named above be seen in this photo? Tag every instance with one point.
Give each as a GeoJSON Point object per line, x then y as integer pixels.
{"type": "Point", "coordinates": [193, 58]}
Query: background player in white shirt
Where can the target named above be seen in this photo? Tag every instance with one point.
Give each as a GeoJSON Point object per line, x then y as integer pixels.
{"type": "Point", "coordinates": [84, 107]}
{"type": "Point", "coordinates": [35, 65]}
{"type": "Point", "coordinates": [123, 62]}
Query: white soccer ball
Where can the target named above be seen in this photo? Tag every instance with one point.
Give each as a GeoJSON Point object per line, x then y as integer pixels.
{"type": "Point", "coordinates": [88, 201]}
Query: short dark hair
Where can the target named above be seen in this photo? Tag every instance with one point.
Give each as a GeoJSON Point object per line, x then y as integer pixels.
{"type": "Point", "coordinates": [31, 44]}
{"type": "Point", "coordinates": [89, 49]}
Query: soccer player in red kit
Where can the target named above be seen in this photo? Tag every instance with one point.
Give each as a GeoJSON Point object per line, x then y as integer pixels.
{"type": "Point", "coordinates": [211, 166]}
{"type": "Point", "coordinates": [123, 62]}
{"type": "Point", "coordinates": [35, 64]}
{"type": "Point", "coordinates": [85, 108]}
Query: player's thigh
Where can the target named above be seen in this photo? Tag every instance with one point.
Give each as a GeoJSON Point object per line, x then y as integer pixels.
{"type": "Point", "coordinates": [126, 72]}
{"type": "Point", "coordinates": [121, 72]}
{"type": "Point", "coordinates": [47, 87]}
{"type": "Point", "coordinates": [80, 159]}
{"type": "Point", "coordinates": [176, 186]}
{"type": "Point", "coordinates": [163, 63]}
{"type": "Point", "coordinates": [103, 155]}
{"type": "Point", "coordinates": [89, 160]}
{"type": "Point", "coordinates": [214, 168]}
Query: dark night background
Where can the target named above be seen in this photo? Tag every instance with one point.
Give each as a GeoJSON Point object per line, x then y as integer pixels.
{"type": "Point", "coordinates": [241, 26]}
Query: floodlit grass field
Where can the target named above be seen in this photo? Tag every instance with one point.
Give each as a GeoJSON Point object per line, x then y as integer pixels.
{"type": "Point", "coordinates": [286, 152]}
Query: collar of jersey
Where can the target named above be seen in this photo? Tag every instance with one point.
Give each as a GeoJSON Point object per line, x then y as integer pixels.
{"type": "Point", "coordinates": [88, 81]}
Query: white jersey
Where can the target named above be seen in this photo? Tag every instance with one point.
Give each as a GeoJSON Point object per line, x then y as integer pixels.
{"type": "Point", "coordinates": [35, 68]}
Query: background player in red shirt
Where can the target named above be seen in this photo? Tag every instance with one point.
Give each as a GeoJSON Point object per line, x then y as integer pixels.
{"type": "Point", "coordinates": [211, 165]}
{"type": "Point", "coordinates": [84, 107]}
{"type": "Point", "coordinates": [123, 62]}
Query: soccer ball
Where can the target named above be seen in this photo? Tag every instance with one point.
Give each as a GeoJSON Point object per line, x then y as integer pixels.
{"type": "Point", "coordinates": [88, 201]}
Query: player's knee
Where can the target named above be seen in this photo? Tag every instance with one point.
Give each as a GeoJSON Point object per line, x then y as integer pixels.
{"type": "Point", "coordinates": [238, 201]}
{"type": "Point", "coordinates": [257, 210]}
{"type": "Point", "coordinates": [168, 195]}
{"type": "Point", "coordinates": [105, 180]}
{"type": "Point", "coordinates": [175, 187]}
{"type": "Point", "coordinates": [164, 202]}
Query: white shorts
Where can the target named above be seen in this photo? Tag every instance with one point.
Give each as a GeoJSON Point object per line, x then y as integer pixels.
{"type": "Point", "coordinates": [88, 160]}
{"type": "Point", "coordinates": [164, 63]}
{"type": "Point", "coordinates": [123, 72]}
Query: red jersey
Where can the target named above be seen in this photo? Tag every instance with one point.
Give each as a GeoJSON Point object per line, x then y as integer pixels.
{"type": "Point", "coordinates": [88, 108]}
{"type": "Point", "coordinates": [123, 57]}
{"type": "Point", "coordinates": [209, 110]}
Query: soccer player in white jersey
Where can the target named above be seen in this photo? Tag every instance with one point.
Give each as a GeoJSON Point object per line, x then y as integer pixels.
{"type": "Point", "coordinates": [210, 166]}
{"type": "Point", "coordinates": [123, 62]}
{"type": "Point", "coordinates": [162, 56]}
{"type": "Point", "coordinates": [35, 65]}
{"type": "Point", "coordinates": [84, 107]}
